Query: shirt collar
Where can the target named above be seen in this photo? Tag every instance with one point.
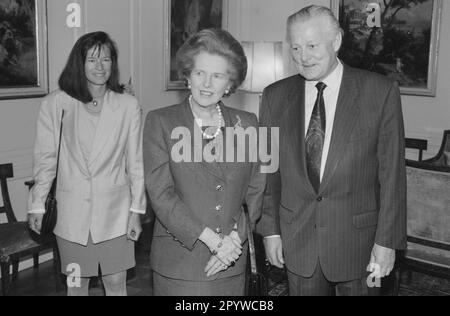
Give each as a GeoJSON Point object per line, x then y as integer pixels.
{"type": "Point", "coordinates": [333, 81]}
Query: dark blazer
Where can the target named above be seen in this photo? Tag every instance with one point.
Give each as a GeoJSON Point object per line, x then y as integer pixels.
{"type": "Point", "coordinates": [362, 198]}
{"type": "Point", "coordinates": [187, 197]}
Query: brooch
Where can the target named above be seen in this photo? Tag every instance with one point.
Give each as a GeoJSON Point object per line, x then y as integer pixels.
{"type": "Point", "coordinates": [239, 123]}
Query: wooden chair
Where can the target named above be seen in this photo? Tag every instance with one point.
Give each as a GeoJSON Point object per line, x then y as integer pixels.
{"type": "Point", "coordinates": [420, 144]}
{"type": "Point", "coordinates": [15, 239]}
{"type": "Point", "coordinates": [442, 158]}
{"type": "Point", "coordinates": [428, 249]}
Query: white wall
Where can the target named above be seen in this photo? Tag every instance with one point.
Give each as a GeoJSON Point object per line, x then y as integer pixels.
{"type": "Point", "coordinates": [427, 117]}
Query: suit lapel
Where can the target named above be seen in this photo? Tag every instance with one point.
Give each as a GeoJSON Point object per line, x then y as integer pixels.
{"type": "Point", "coordinates": [227, 167]}
{"type": "Point", "coordinates": [107, 123]}
{"type": "Point", "coordinates": [347, 111]}
{"type": "Point", "coordinates": [295, 130]}
{"type": "Point", "coordinates": [70, 134]}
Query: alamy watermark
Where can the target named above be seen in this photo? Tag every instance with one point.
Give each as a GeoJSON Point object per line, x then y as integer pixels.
{"type": "Point", "coordinates": [373, 280]}
{"type": "Point", "coordinates": [73, 276]}
{"type": "Point", "coordinates": [240, 145]}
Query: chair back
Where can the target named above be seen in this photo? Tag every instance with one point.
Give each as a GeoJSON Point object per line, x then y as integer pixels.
{"type": "Point", "coordinates": [442, 159]}
{"type": "Point", "coordinates": [6, 172]}
{"type": "Point", "coordinates": [420, 144]}
{"type": "Point", "coordinates": [446, 147]}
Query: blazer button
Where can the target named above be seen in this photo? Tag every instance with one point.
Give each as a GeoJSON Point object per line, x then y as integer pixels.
{"type": "Point", "coordinates": [219, 230]}
{"type": "Point", "coordinates": [219, 208]}
{"type": "Point", "coordinates": [219, 188]}
{"type": "Point", "coordinates": [320, 199]}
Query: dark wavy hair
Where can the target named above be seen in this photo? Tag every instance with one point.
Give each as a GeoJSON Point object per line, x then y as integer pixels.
{"type": "Point", "coordinates": [73, 79]}
{"type": "Point", "coordinates": [216, 42]}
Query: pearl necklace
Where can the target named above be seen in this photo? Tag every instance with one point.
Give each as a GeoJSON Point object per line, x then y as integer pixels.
{"type": "Point", "coordinates": [219, 110]}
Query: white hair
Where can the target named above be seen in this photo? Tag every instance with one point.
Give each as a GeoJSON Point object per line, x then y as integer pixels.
{"type": "Point", "coordinates": [310, 12]}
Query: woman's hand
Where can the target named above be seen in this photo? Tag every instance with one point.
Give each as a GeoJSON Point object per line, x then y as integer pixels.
{"type": "Point", "coordinates": [225, 248]}
{"type": "Point", "coordinates": [214, 266]}
{"type": "Point", "coordinates": [228, 250]}
{"type": "Point", "coordinates": [235, 236]}
{"type": "Point", "coordinates": [134, 226]}
{"type": "Point", "coordinates": [35, 222]}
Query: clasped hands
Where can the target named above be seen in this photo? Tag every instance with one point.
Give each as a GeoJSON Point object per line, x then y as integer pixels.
{"type": "Point", "coordinates": [226, 250]}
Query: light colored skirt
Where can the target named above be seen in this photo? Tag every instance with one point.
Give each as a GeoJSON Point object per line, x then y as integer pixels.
{"type": "Point", "coordinates": [232, 286]}
{"type": "Point", "coordinates": [112, 256]}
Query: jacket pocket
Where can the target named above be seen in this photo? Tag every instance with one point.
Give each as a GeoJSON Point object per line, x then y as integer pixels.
{"type": "Point", "coordinates": [365, 220]}
{"type": "Point", "coordinates": [116, 188]}
{"type": "Point", "coordinates": [286, 214]}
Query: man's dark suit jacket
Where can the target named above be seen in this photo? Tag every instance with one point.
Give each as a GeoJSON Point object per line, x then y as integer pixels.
{"type": "Point", "coordinates": [187, 197]}
{"type": "Point", "coordinates": [362, 197]}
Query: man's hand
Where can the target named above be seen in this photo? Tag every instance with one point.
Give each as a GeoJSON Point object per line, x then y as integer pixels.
{"type": "Point", "coordinates": [382, 261]}
{"type": "Point", "coordinates": [134, 226]}
{"type": "Point", "coordinates": [35, 222]}
{"type": "Point", "coordinates": [274, 251]}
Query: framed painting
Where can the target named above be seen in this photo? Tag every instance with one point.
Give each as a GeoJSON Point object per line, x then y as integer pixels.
{"type": "Point", "coordinates": [23, 49]}
{"type": "Point", "coordinates": [184, 18]}
{"type": "Point", "coordinates": [397, 38]}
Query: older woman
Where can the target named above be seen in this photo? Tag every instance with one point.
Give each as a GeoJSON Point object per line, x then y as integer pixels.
{"type": "Point", "coordinates": [100, 189]}
{"type": "Point", "coordinates": [198, 243]}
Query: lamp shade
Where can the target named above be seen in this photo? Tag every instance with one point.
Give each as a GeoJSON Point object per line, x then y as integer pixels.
{"type": "Point", "coordinates": [265, 65]}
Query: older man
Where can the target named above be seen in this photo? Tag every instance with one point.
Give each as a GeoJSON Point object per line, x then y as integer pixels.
{"type": "Point", "coordinates": [336, 207]}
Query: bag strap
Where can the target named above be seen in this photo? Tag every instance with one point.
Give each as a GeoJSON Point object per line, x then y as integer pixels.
{"type": "Point", "coordinates": [251, 242]}
{"type": "Point", "coordinates": [59, 148]}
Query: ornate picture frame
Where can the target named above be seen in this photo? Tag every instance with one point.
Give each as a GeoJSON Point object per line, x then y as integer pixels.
{"type": "Point", "coordinates": [397, 38]}
{"type": "Point", "coordinates": [23, 49]}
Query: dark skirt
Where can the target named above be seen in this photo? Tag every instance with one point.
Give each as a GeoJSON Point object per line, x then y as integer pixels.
{"type": "Point", "coordinates": [112, 256]}
{"type": "Point", "coordinates": [232, 286]}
